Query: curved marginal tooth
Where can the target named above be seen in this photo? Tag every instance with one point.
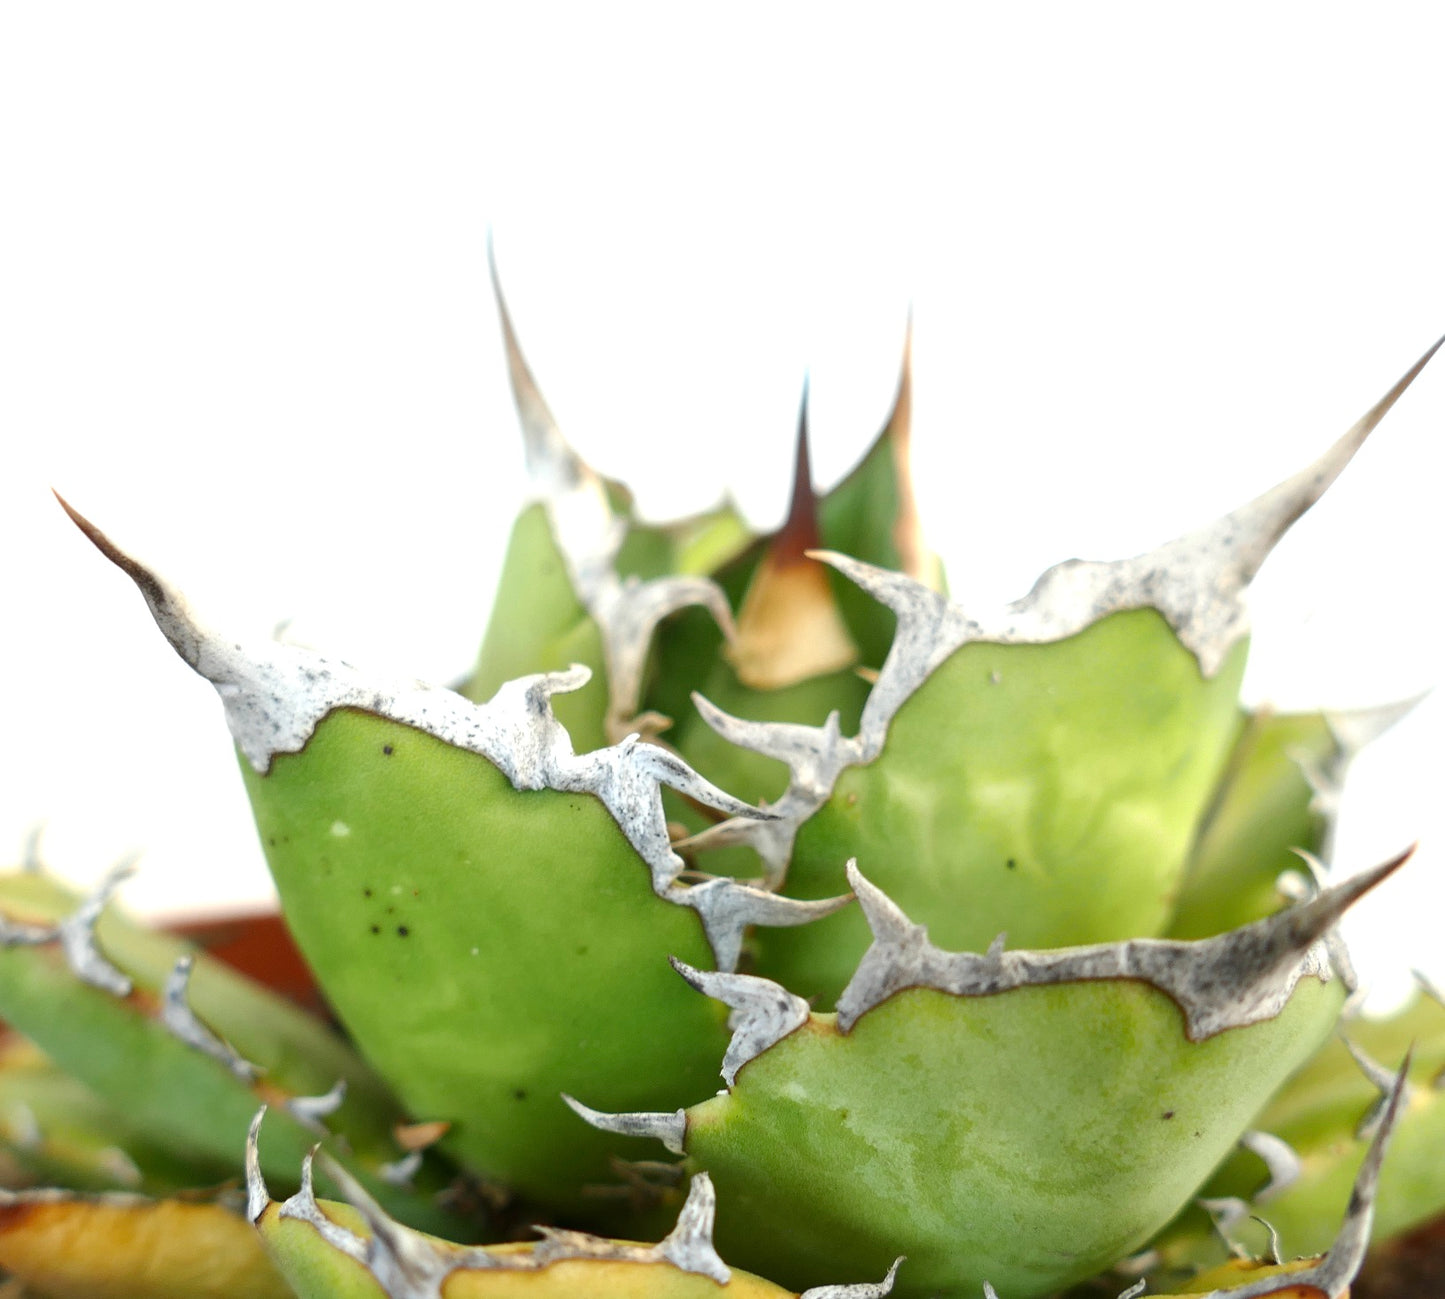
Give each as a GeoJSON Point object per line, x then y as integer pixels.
{"type": "Point", "coordinates": [303, 1206]}
{"type": "Point", "coordinates": [1226, 1212]}
{"type": "Point", "coordinates": [763, 1012]}
{"type": "Point", "coordinates": [1383, 1080]}
{"type": "Point", "coordinates": [77, 937]}
{"type": "Point", "coordinates": [1276, 1253]}
{"type": "Point", "coordinates": [930, 628]}
{"type": "Point", "coordinates": [671, 770]}
{"type": "Point", "coordinates": [310, 1110]}
{"type": "Point", "coordinates": [1280, 1160]}
{"type": "Point", "coordinates": [399, 1172]}
{"type": "Point", "coordinates": [1237, 978]}
{"type": "Point", "coordinates": [181, 1020]}
{"type": "Point", "coordinates": [628, 615]}
{"type": "Point", "coordinates": [689, 1245]}
{"type": "Point", "coordinates": [257, 1196]}
{"type": "Point", "coordinates": [406, 1264]}
{"type": "Point", "coordinates": [726, 909]}
{"type": "Point", "coordinates": [670, 1129]}
{"type": "Point", "coordinates": [1136, 1289]}
{"type": "Point", "coordinates": [885, 918]}
{"type": "Point", "coordinates": [906, 596]}
{"type": "Point", "coordinates": [866, 1290]}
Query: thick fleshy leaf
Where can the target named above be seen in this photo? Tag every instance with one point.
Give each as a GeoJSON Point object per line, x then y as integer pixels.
{"type": "Point", "coordinates": [1024, 1118]}
{"type": "Point", "coordinates": [1046, 791]}
{"type": "Point", "coordinates": [128, 1248]}
{"type": "Point", "coordinates": [487, 947]}
{"type": "Point", "coordinates": [60, 1133]}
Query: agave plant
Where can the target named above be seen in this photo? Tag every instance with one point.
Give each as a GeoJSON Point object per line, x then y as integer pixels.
{"type": "Point", "coordinates": [1068, 902]}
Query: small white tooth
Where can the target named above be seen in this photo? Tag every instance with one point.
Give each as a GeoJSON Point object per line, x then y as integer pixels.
{"type": "Point", "coordinates": [689, 1245]}
{"type": "Point", "coordinates": [764, 1012]}
{"type": "Point", "coordinates": [310, 1110]}
{"type": "Point", "coordinates": [183, 1023]}
{"type": "Point", "coordinates": [399, 1172]}
{"type": "Point", "coordinates": [77, 936]}
{"type": "Point", "coordinates": [303, 1206]}
{"type": "Point", "coordinates": [866, 1290]}
{"type": "Point", "coordinates": [1280, 1160]}
{"type": "Point", "coordinates": [726, 909]}
{"type": "Point", "coordinates": [670, 1129]}
{"type": "Point", "coordinates": [257, 1196]}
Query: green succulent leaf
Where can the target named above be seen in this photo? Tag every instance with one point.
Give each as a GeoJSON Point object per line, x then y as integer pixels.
{"type": "Point", "coordinates": [185, 1059]}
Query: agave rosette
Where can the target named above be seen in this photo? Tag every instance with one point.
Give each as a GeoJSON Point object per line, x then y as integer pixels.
{"type": "Point", "coordinates": [1068, 986]}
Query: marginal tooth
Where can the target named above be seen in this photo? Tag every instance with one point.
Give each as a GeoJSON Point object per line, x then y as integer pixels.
{"type": "Point", "coordinates": [885, 918]}
{"type": "Point", "coordinates": [808, 748]}
{"type": "Point", "coordinates": [906, 596]}
{"type": "Point", "coordinates": [670, 1129]}
{"type": "Point", "coordinates": [405, 1263]}
{"type": "Point", "coordinates": [1235, 979]}
{"type": "Point", "coordinates": [399, 1172]}
{"type": "Point", "coordinates": [1226, 1212]}
{"type": "Point", "coordinates": [1275, 1254]}
{"type": "Point", "coordinates": [764, 1012]}
{"type": "Point", "coordinates": [628, 618]}
{"type": "Point", "coordinates": [257, 1196]}
{"type": "Point", "coordinates": [866, 1290]}
{"type": "Point", "coordinates": [1280, 1160]}
{"type": "Point", "coordinates": [181, 1020]}
{"type": "Point", "coordinates": [815, 756]}
{"type": "Point", "coordinates": [689, 1245]}
{"type": "Point", "coordinates": [1383, 1080]}
{"type": "Point", "coordinates": [726, 909]}
{"type": "Point", "coordinates": [310, 1110]}
{"type": "Point", "coordinates": [669, 769]}
{"type": "Point", "coordinates": [1135, 1290]}
{"type": "Point", "coordinates": [303, 1206]}
{"type": "Point", "coordinates": [77, 936]}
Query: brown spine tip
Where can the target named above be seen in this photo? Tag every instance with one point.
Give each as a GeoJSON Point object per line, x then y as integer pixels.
{"type": "Point", "coordinates": [799, 533]}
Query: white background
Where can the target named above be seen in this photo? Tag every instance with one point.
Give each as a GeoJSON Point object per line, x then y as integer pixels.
{"type": "Point", "coordinates": [1157, 256]}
